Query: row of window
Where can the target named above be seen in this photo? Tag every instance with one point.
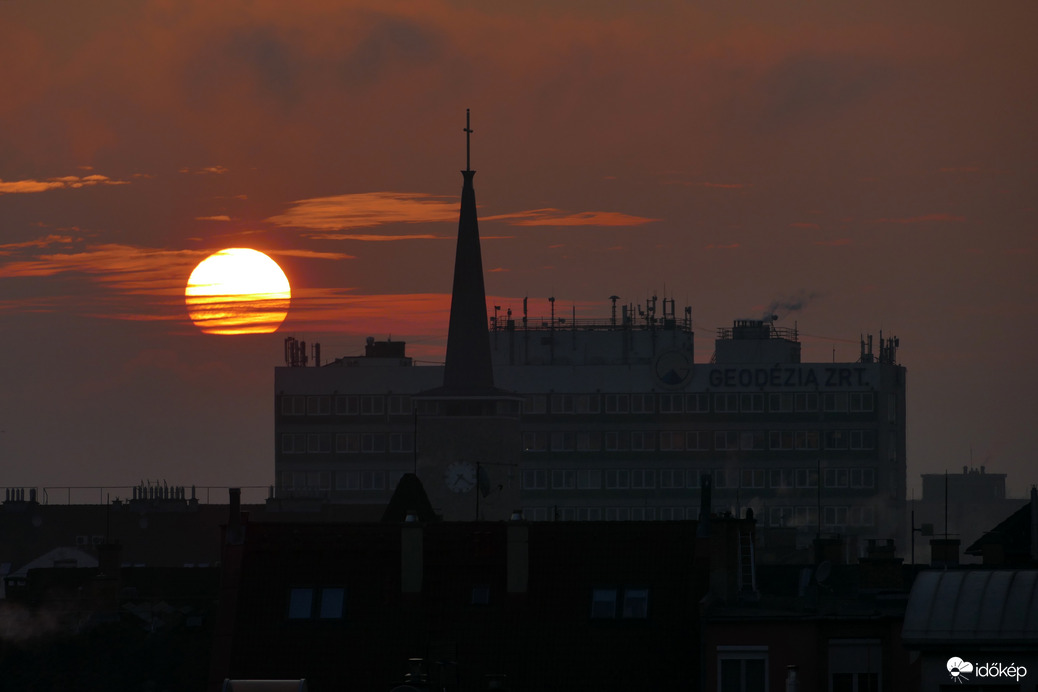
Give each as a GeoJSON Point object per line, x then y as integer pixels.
{"type": "Point", "coordinates": [834, 517]}
{"type": "Point", "coordinates": [583, 404]}
{"type": "Point", "coordinates": [854, 665]}
{"type": "Point", "coordinates": [641, 479]}
{"type": "Point", "coordinates": [696, 440]}
{"type": "Point", "coordinates": [346, 443]}
{"type": "Point", "coordinates": [303, 482]}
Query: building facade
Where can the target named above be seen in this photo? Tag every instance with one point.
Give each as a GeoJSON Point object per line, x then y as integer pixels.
{"type": "Point", "coordinates": [618, 422]}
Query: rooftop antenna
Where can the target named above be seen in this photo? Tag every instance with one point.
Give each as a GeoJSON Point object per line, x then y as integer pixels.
{"type": "Point", "coordinates": [468, 132]}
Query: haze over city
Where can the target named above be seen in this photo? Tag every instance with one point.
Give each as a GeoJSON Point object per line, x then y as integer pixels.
{"type": "Point", "coordinates": [850, 169]}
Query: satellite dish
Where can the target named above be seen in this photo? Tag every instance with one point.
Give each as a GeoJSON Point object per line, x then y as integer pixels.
{"type": "Point", "coordinates": [822, 572]}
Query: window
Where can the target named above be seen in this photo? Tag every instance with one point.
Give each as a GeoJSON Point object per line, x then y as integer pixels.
{"type": "Point", "coordinates": [781, 478]}
{"type": "Point", "coordinates": [561, 403]}
{"type": "Point", "coordinates": [307, 603]}
{"type": "Point", "coordinates": [780, 439]}
{"type": "Point", "coordinates": [535, 479]}
{"type": "Point", "coordinates": [692, 479]}
{"type": "Point", "coordinates": [373, 442]}
{"type": "Point", "coordinates": [589, 479]}
{"type": "Point", "coordinates": [589, 441]}
{"type": "Point", "coordinates": [643, 514]}
{"type": "Point", "coordinates": [836, 439]}
{"type": "Point", "coordinates": [697, 440]}
{"type": "Point", "coordinates": [863, 478]}
{"type": "Point", "coordinates": [535, 441]}
{"type": "Point", "coordinates": [347, 480]}
{"type": "Point", "coordinates": [752, 403]}
{"type": "Point", "coordinates": [726, 403]}
{"type": "Point", "coordinates": [671, 403]}
{"type": "Point", "coordinates": [752, 440]}
{"type": "Point", "coordinates": [347, 443]}
{"type": "Point", "coordinates": [855, 665]}
{"type": "Point", "coordinates": [642, 441]}
{"type": "Point", "coordinates": [480, 595]}
{"type": "Point", "coordinates": [836, 478]}
{"type": "Point", "coordinates": [861, 402]}
{"type": "Point", "coordinates": [372, 480]}
{"type": "Point", "coordinates": [806, 516]}
{"type": "Point", "coordinates": [780, 516]}
{"type": "Point", "coordinates": [805, 402]}
{"type": "Point", "coordinates": [616, 403]}
{"type": "Point", "coordinates": [807, 478]}
{"type": "Point", "coordinates": [562, 441]}
{"type": "Point", "coordinates": [535, 404]}
{"type": "Point", "coordinates": [616, 441]}
{"type": "Point", "coordinates": [697, 403]}
{"type": "Point", "coordinates": [726, 439]}
{"type": "Point", "coordinates": [672, 441]}
{"type": "Point", "coordinates": [618, 479]}
{"type": "Point", "coordinates": [293, 405]}
{"type": "Point", "coordinates": [636, 604]}
{"type": "Point", "coordinates": [726, 478]}
{"type": "Point", "coordinates": [672, 478]}
{"type": "Point", "coordinates": [752, 478]}
{"type": "Point", "coordinates": [562, 479]}
{"type": "Point", "coordinates": [399, 405]}
{"type": "Point", "coordinates": [319, 443]}
{"type": "Point", "coordinates": [300, 603]}
{"type": "Point", "coordinates": [780, 403]}
{"type": "Point", "coordinates": [603, 604]}
{"type": "Point", "coordinates": [318, 405]}
{"type": "Point", "coordinates": [347, 405]}
{"type": "Point", "coordinates": [293, 443]}
{"type": "Point", "coordinates": [863, 439]}
{"type": "Point", "coordinates": [835, 516]}
{"type": "Point", "coordinates": [835, 402]}
{"type": "Point", "coordinates": [372, 405]}
{"type": "Point", "coordinates": [643, 478]}
{"type": "Point", "coordinates": [401, 442]}
{"type": "Point", "coordinates": [643, 403]}
{"type": "Point", "coordinates": [742, 669]}
{"type": "Point", "coordinates": [806, 439]}
{"type": "Point", "coordinates": [585, 403]}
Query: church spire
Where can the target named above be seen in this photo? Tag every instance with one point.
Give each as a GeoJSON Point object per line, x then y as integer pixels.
{"type": "Point", "coordinates": [468, 368]}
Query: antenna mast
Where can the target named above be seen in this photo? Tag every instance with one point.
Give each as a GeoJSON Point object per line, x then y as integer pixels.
{"type": "Point", "coordinates": [468, 131]}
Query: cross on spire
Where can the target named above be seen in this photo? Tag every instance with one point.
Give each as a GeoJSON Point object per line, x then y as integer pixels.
{"type": "Point", "coordinates": [468, 131]}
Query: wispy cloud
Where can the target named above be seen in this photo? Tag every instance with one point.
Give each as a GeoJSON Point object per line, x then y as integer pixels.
{"type": "Point", "coordinates": [375, 238]}
{"type": "Point", "coordinates": [924, 218]}
{"type": "Point", "coordinates": [12, 187]}
{"type": "Point", "coordinates": [45, 241]}
{"type": "Point", "coordinates": [365, 210]}
{"type": "Point", "coordinates": [205, 170]}
{"type": "Point", "coordinates": [556, 217]}
{"type": "Point", "coordinates": [218, 217]}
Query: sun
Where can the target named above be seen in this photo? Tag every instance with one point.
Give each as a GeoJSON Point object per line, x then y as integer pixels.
{"type": "Point", "coordinates": [237, 291]}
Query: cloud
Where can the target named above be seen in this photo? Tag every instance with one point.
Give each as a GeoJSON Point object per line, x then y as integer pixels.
{"type": "Point", "coordinates": [836, 242]}
{"type": "Point", "coordinates": [67, 181]}
{"type": "Point", "coordinates": [804, 225]}
{"type": "Point", "coordinates": [205, 170]}
{"type": "Point", "coordinates": [371, 237]}
{"type": "Point", "coordinates": [365, 210]}
{"type": "Point", "coordinates": [46, 241]}
{"type": "Point", "coordinates": [556, 217]}
{"type": "Point", "coordinates": [310, 254]}
{"type": "Point", "coordinates": [218, 217]}
{"type": "Point", "coordinates": [925, 218]}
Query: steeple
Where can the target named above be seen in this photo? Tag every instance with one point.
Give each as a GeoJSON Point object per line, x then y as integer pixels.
{"type": "Point", "coordinates": [468, 367]}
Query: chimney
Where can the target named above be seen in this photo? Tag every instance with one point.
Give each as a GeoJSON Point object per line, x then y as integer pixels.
{"type": "Point", "coordinates": [944, 552]}
{"type": "Point", "coordinates": [235, 529]}
{"type": "Point", "coordinates": [518, 557]}
{"type": "Point", "coordinates": [880, 569]}
{"type": "Point", "coordinates": [411, 555]}
{"type": "Point", "coordinates": [1034, 524]}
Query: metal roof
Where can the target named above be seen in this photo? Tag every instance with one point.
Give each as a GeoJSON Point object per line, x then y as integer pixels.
{"type": "Point", "coordinates": [975, 606]}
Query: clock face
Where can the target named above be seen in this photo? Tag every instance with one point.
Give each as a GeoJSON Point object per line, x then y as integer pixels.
{"type": "Point", "coordinates": [673, 368]}
{"type": "Point", "coordinates": [460, 476]}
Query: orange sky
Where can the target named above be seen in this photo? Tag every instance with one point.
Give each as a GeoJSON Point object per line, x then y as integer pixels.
{"type": "Point", "coordinates": [872, 164]}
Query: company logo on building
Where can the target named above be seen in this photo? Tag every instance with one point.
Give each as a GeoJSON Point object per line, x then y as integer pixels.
{"type": "Point", "coordinates": [959, 670]}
